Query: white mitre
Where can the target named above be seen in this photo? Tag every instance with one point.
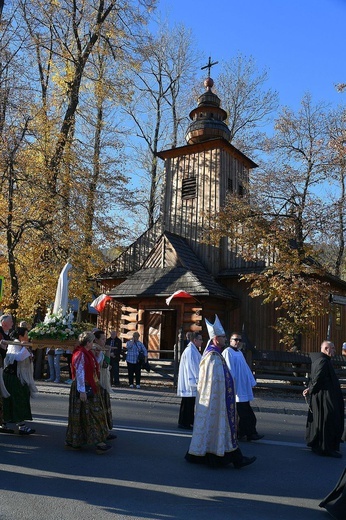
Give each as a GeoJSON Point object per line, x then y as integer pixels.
{"type": "Point", "coordinates": [215, 329]}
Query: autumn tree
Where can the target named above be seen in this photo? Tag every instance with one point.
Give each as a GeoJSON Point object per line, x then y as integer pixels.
{"type": "Point", "coordinates": [73, 31]}
{"type": "Point", "coordinates": [58, 55]}
{"type": "Point", "coordinates": [280, 221]}
{"type": "Point", "coordinates": [18, 216]}
{"type": "Point", "coordinates": [241, 86]}
{"type": "Point", "coordinates": [161, 85]}
{"type": "Point", "coordinates": [100, 185]}
{"type": "Point", "coordinates": [335, 226]}
{"type": "Point", "coordinates": [18, 187]}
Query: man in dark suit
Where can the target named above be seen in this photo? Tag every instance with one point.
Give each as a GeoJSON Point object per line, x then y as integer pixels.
{"type": "Point", "coordinates": [115, 345]}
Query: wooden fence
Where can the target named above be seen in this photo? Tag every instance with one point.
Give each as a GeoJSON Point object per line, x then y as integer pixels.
{"type": "Point", "coordinates": [288, 370]}
{"type": "Point", "coordinates": [272, 369]}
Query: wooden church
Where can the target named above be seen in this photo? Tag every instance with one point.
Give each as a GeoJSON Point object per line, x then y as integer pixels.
{"type": "Point", "coordinates": [171, 257]}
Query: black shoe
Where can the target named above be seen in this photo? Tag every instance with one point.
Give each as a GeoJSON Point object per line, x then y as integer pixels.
{"type": "Point", "coordinates": [246, 461]}
{"type": "Point", "coordinates": [25, 430]}
{"type": "Point", "coordinates": [111, 437]}
{"type": "Point", "coordinates": [254, 437]}
{"type": "Point", "coordinates": [4, 429]}
{"type": "Point", "coordinates": [68, 446]}
{"type": "Point", "coordinates": [334, 454]}
{"type": "Point", "coordinates": [318, 451]}
{"type": "Point", "coordinates": [102, 448]}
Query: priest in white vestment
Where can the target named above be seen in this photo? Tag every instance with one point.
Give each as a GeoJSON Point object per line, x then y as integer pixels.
{"type": "Point", "coordinates": [214, 437]}
{"type": "Point", "coordinates": [244, 382]}
{"type": "Point", "coordinates": [188, 379]}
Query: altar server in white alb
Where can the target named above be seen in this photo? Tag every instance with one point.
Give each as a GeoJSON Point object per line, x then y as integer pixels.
{"type": "Point", "coordinates": [214, 436]}
{"type": "Point", "coordinates": [188, 379]}
{"type": "Point", "coordinates": [244, 382]}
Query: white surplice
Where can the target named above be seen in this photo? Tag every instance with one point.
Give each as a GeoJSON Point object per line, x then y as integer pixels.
{"type": "Point", "coordinates": [188, 371]}
{"type": "Point", "coordinates": [243, 378]}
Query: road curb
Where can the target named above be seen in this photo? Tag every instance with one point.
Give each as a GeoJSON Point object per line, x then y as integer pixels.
{"type": "Point", "coordinates": [154, 395]}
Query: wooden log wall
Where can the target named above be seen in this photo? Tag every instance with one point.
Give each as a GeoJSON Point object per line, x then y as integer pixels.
{"type": "Point", "coordinates": [129, 322]}
{"type": "Point", "coordinates": [192, 318]}
{"type": "Point", "coordinates": [215, 170]}
{"type": "Point", "coordinates": [258, 320]}
{"type": "Point", "coordinates": [185, 217]}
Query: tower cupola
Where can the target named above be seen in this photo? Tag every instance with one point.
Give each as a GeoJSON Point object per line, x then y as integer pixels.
{"type": "Point", "coordinates": [208, 118]}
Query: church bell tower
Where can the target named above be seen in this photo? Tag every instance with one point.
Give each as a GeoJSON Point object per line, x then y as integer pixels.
{"type": "Point", "coordinates": [199, 176]}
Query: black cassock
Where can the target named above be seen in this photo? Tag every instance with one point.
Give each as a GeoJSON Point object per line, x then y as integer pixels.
{"type": "Point", "coordinates": [335, 502]}
{"type": "Point", "coordinates": [325, 422]}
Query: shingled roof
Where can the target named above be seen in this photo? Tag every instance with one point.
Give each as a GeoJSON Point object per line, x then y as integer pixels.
{"type": "Point", "coordinates": [163, 282]}
{"type": "Point", "coordinates": [185, 273]}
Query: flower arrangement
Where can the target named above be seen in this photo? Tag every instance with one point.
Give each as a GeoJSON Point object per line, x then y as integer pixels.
{"type": "Point", "coordinates": [59, 326]}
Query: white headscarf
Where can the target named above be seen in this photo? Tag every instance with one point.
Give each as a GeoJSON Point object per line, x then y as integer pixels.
{"type": "Point", "coordinates": [24, 367]}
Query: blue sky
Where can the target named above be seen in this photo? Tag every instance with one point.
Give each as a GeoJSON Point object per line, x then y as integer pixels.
{"type": "Point", "coordinates": [301, 43]}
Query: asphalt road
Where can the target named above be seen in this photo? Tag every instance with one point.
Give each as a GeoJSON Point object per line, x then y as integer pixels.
{"type": "Point", "coordinates": [145, 476]}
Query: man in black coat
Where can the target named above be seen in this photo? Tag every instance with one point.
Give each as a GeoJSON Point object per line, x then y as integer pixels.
{"type": "Point", "coordinates": [116, 349]}
{"type": "Point", "coordinates": [335, 502]}
{"type": "Point", "coordinates": [325, 422]}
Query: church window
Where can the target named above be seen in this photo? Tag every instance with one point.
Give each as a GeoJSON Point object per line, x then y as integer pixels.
{"type": "Point", "coordinates": [240, 190]}
{"type": "Point", "coordinates": [230, 185]}
{"type": "Point", "coordinates": [189, 188]}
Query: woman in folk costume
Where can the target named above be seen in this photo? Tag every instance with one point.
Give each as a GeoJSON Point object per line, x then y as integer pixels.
{"type": "Point", "coordinates": [6, 324]}
{"type": "Point", "coordinates": [103, 359]}
{"type": "Point", "coordinates": [87, 423]}
{"type": "Point", "coordinates": [214, 437]}
{"type": "Point", "coordinates": [19, 382]}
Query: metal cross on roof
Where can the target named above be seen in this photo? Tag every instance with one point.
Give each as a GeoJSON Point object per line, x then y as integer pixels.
{"type": "Point", "coordinates": [209, 66]}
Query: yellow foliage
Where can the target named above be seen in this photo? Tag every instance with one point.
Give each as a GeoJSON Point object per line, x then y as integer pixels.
{"type": "Point", "coordinates": [291, 280]}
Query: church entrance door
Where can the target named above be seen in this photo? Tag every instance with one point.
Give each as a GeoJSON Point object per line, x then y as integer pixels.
{"type": "Point", "coordinates": [160, 332]}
